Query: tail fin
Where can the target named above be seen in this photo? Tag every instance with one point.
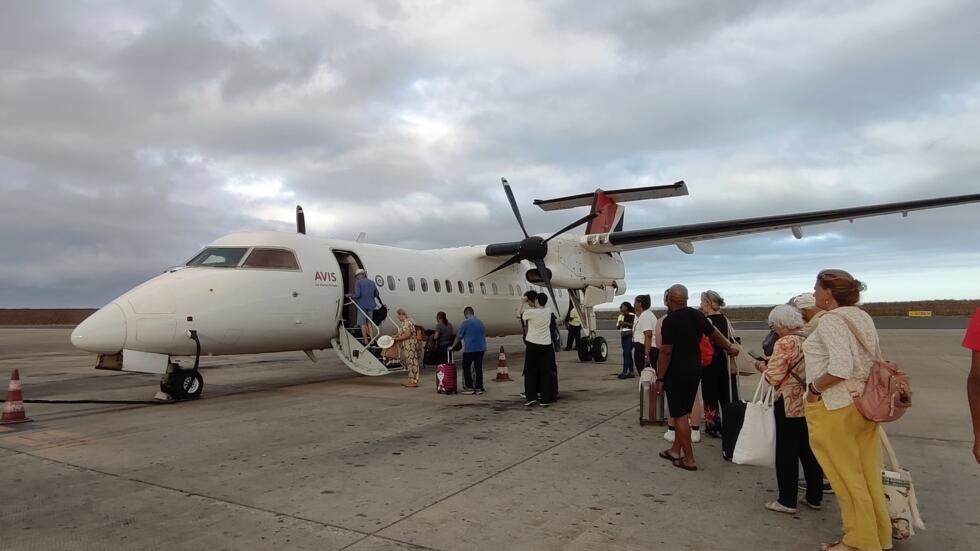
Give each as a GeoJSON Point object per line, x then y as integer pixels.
{"type": "Point", "coordinates": [609, 214]}
{"type": "Point", "coordinates": [606, 204]}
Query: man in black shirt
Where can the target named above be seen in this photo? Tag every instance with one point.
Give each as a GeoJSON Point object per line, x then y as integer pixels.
{"type": "Point", "coordinates": [679, 368]}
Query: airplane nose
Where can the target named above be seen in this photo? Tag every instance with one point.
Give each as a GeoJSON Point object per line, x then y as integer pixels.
{"type": "Point", "coordinates": [104, 332]}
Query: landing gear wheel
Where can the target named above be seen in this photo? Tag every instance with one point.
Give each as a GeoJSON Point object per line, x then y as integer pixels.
{"type": "Point", "coordinates": [584, 350]}
{"type": "Point", "coordinates": [185, 384]}
{"type": "Point", "coordinates": [600, 349]}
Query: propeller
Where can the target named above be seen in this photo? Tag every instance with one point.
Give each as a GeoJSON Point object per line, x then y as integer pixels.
{"type": "Point", "coordinates": [300, 220]}
{"type": "Point", "coordinates": [534, 248]}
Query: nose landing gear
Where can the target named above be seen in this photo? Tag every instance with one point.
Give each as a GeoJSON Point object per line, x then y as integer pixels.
{"type": "Point", "coordinates": [183, 384]}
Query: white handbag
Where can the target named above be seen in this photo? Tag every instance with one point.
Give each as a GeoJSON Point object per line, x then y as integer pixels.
{"type": "Point", "coordinates": [903, 508]}
{"type": "Point", "coordinates": [756, 443]}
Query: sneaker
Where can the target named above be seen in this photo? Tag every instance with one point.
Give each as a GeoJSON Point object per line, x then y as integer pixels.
{"type": "Point", "coordinates": [522, 395]}
{"type": "Point", "coordinates": [631, 375]}
{"type": "Point", "coordinates": [470, 392]}
{"type": "Point", "coordinates": [622, 376]}
{"type": "Point", "coordinates": [695, 436]}
{"type": "Point", "coordinates": [669, 436]}
{"type": "Point", "coordinates": [530, 403]}
{"type": "Point", "coordinates": [778, 507]}
{"type": "Point", "coordinates": [479, 391]}
{"type": "Point", "coordinates": [815, 507]}
{"type": "Point", "coordinates": [544, 404]}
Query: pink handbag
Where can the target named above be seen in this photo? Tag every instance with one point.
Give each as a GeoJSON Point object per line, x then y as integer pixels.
{"type": "Point", "coordinates": [887, 393]}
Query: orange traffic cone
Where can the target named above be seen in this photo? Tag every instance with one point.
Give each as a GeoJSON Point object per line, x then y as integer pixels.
{"type": "Point", "coordinates": [13, 408]}
{"type": "Point", "coordinates": [502, 374]}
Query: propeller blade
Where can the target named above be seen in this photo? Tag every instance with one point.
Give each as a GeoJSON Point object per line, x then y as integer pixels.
{"type": "Point", "coordinates": [572, 226]}
{"type": "Point", "coordinates": [543, 272]}
{"type": "Point", "coordinates": [510, 262]}
{"type": "Point", "coordinates": [513, 204]}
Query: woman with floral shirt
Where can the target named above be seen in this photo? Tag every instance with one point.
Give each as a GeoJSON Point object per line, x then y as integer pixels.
{"type": "Point", "coordinates": [409, 348]}
{"type": "Point", "coordinates": [785, 371]}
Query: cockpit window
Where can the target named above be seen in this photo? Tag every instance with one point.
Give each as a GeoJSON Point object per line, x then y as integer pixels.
{"type": "Point", "coordinates": [276, 259]}
{"type": "Point", "coordinates": [219, 257]}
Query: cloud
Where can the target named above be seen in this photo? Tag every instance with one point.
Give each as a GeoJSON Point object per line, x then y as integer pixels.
{"type": "Point", "coordinates": [131, 134]}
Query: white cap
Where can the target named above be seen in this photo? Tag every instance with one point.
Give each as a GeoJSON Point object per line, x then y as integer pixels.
{"type": "Point", "coordinates": [385, 341]}
{"type": "Point", "coordinates": [360, 271]}
{"type": "Point", "coordinates": [803, 301]}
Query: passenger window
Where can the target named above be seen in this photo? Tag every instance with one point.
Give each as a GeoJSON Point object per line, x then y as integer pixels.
{"type": "Point", "coordinates": [483, 288]}
{"type": "Point", "coordinates": [391, 283]}
{"type": "Point", "coordinates": [461, 291]}
{"type": "Point", "coordinates": [494, 287]}
{"type": "Point", "coordinates": [425, 285]}
{"type": "Point", "coordinates": [449, 286]}
{"type": "Point", "coordinates": [436, 285]}
{"type": "Point", "coordinates": [411, 284]}
{"type": "Point", "coordinates": [277, 259]}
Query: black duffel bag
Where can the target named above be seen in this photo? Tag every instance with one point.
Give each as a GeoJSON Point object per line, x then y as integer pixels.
{"type": "Point", "coordinates": [379, 315]}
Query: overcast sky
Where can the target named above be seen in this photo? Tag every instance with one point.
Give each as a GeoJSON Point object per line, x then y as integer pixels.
{"type": "Point", "coordinates": [133, 133]}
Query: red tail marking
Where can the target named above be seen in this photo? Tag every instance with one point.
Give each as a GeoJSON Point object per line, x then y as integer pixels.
{"type": "Point", "coordinates": [606, 210]}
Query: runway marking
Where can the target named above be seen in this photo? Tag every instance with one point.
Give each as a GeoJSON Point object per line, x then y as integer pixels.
{"type": "Point", "coordinates": [494, 475]}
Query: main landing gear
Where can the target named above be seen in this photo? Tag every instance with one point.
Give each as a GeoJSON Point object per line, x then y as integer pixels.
{"type": "Point", "coordinates": [593, 349]}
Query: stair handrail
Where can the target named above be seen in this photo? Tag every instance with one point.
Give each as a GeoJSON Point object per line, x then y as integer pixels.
{"type": "Point", "coordinates": [377, 329]}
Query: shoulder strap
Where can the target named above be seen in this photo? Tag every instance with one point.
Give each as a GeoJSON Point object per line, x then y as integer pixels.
{"type": "Point", "coordinates": [875, 353]}
{"type": "Point", "coordinates": [791, 372]}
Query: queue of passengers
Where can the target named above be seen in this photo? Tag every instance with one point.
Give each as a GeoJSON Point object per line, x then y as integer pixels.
{"type": "Point", "coordinates": [814, 364]}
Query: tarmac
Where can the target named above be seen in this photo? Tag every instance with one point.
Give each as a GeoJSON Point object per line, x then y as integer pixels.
{"type": "Point", "coordinates": [283, 453]}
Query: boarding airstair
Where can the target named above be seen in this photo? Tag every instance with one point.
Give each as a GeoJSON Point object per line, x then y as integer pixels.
{"type": "Point", "coordinates": [364, 359]}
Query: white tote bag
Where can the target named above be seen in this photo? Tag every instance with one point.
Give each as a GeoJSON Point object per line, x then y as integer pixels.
{"type": "Point", "coordinates": [756, 444]}
{"type": "Point", "coordinates": [903, 508]}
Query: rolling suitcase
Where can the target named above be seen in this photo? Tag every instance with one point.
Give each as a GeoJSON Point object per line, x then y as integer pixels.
{"type": "Point", "coordinates": [446, 376]}
{"type": "Point", "coordinates": [652, 407]}
{"type": "Point", "coordinates": [732, 417]}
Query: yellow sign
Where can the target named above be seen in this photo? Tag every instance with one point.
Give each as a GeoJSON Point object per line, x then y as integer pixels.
{"type": "Point", "coordinates": [920, 314]}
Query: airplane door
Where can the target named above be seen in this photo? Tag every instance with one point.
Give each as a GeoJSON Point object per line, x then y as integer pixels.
{"type": "Point", "coordinates": [349, 264]}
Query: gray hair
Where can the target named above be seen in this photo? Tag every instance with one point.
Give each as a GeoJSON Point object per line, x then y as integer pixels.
{"type": "Point", "coordinates": [401, 312]}
{"type": "Point", "coordinates": [786, 316]}
{"type": "Point", "coordinates": [713, 299]}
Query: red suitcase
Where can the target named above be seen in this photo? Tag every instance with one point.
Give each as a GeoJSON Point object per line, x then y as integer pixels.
{"type": "Point", "coordinates": [446, 376]}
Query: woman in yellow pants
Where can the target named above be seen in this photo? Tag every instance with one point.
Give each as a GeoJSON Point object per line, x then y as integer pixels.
{"type": "Point", "coordinates": [838, 361]}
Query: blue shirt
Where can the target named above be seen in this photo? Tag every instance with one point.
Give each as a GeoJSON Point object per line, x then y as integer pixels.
{"type": "Point", "coordinates": [473, 334]}
{"type": "Point", "coordinates": [364, 292]}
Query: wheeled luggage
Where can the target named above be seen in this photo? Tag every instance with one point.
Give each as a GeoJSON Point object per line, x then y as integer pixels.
{"type": "Point", "coordinates": [732, 418]}
{"type": "Point", "coordinates": [446, 376]}
{"type": "Point", "coordinates": [652, 407]}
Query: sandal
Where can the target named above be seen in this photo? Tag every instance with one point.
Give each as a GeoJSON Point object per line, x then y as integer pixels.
{"type": "Point", "coordinates": [667, 455]}
{"type": "Point", "coordinates": [679, 463]}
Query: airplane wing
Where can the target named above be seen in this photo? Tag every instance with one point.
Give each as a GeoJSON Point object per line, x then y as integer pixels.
{"type": "Point", "coordinates": [684, 236]}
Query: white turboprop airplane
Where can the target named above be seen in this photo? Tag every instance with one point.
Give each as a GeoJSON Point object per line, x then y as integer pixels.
{"type": "Point", "coordinates": [260, 292]}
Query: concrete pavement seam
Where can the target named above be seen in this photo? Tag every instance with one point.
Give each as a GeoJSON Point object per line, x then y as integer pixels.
{"type": "Point", "coordinates": [217, 500]}
{"type": "Point", "coordinates": [492, 475]}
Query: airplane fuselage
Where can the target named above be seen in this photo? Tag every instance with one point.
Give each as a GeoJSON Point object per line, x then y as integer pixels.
{"type": "Point", "coordinates": [245, 310]}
